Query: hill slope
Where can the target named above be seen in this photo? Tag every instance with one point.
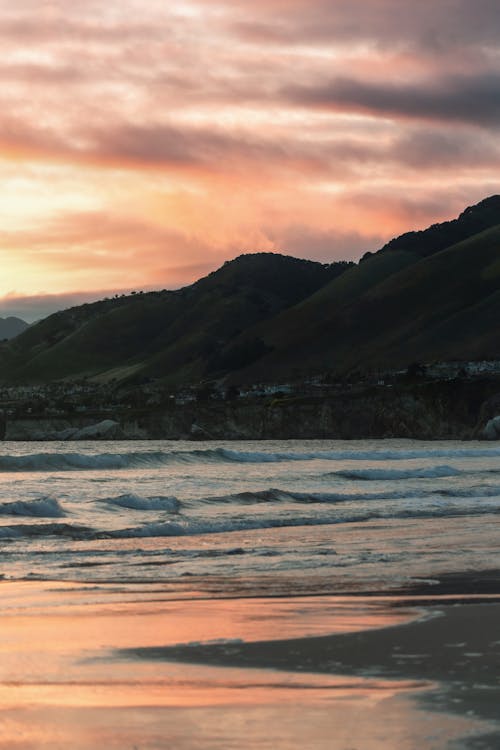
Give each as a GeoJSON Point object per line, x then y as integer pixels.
{"type": "Point", "coordinates": [397, 306]}
{"type": "Point", "coordinates": [426, 295]}
{"type": "Point", "coordinates": [176, 335]}
{"type": "Point", "coordinates": [10, 327]}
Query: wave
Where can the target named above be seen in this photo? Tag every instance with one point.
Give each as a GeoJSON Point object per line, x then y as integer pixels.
{"type": "Point", "coordinates": [136, 502]}
{"type": "Point", "coordinates": [195, 527]}
{"type": "Point", "coordinates": [285, 496]}
{"type": "Point", "coordinates": [476, 491]}
{"type": "Point", "coordinates": [433, 472]}
{"type": "Point", "coordinates": [44, 507]}
{"type": "Point", "coordinates": [70, 461]}
{"type": "Point", "coordinates": [274, 497]}
{"type": "Point", "coordinates": [393, 454]}
{"type": "Point", "coordinates": [131, 460]}
{"type": "Point", "coordinates": [18, 531]}
{"type": "Point", "coordinates": [78, 461]}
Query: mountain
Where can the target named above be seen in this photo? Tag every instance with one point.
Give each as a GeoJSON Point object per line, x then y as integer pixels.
{"type": "Point", "coordinates": [412, 300]}
{"type": "Point", "coordinates": [10, 327]}
{"type": "Point", "coordinates": [178, 335]}
{"type": "Point", "coordinates": [473, 220]}
{"type": "Point", "coordinates": [428, 295]}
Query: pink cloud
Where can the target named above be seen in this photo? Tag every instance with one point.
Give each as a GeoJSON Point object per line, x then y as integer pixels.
{"type": "Point", "coordinates": [171, 136]}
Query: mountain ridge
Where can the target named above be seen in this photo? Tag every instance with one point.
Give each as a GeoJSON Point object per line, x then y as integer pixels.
{"type": "Point", "coordinates": [432, 294]}
{"type": "Point", "coordinates": [165, 333]}
{"type": "Point", "coordinates": [11, 327]}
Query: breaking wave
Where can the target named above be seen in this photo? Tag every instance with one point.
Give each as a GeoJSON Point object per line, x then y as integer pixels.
{"type": "Point", "coordinates": [73, 461]}
{"type": "Point", "coordinates": [277, 496]}
{"type": "Point", "coordinates": [285, 496]}
{"type": "Point", "coordinates": [432, 472]}
{"type": "Point", "coordinates": [195, 527]}
{"type": "Point", "coordinates": [81, 461]}
{"type": "Point", "coordinates": [200, 526]}
{"type": "Point", "coordinates": [136, 502]}
{"type": "Point", "coordinates": [44, 507]}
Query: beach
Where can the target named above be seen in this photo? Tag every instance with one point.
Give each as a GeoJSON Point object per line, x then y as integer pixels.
{"type": "Point", "coordinates": [83, 668]}
{"type": "Point", "coordinates": [323, 595]}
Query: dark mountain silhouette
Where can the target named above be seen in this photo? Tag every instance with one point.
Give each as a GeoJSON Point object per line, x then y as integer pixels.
{"type": "Point", "coordinates": [429, 295]}
{"type": "Point", "coordinates": [179, 335]}
{"type": "Point", "coordinates": [10, 327]}
{"type": "Point", "coordinates": [393, 309]}
{"type": "Point", "coordinates": [438, 237]}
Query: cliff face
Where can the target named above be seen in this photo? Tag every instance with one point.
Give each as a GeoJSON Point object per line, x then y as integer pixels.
{"type": "Point", "coordinates": [427, 411]}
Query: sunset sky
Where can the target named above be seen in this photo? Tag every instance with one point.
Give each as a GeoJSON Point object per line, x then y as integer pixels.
{"type": "Point", "coordinates": [144, 142]}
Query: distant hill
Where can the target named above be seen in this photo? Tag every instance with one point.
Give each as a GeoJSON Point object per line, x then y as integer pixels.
{"type": "Point", "coordinates": [178, 335]}
{"type": "Point", "coordinates": [412, 300]}
{"type": "Point", "coordinates": [428, 295]}
{"type": "Point", "coordinates": [473, 220]}
{"type": "Point", "coordinates": [10, 327]}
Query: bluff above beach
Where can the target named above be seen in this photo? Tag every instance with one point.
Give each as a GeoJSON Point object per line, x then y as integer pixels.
{"type": "Point", "coordinates": [404, 406]}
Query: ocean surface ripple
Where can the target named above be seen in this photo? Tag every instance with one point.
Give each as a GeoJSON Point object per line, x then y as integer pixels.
{"type": "Point", "coordinates": [357, 511]}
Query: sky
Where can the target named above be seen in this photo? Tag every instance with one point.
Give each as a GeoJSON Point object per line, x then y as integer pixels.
{"type": "Point", "coordinates": [145, 142]}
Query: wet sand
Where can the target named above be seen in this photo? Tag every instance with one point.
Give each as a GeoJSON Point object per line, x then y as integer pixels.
{"type": "Point", "coordinates": [457, 644]}
{"type": "Point", "coordinates": [127, 667]}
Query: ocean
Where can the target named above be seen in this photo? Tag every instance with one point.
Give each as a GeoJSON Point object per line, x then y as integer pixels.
{"type": "Point", "coordinates": [309, 516]}
{"type": "Point", "coordinates": [191, 595]}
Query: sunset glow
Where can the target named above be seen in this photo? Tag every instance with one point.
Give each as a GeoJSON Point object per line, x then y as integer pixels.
{"type": "Point", "coordinates": [142, 144]}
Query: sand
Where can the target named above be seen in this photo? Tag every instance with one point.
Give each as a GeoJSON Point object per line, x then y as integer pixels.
{"type": "Point", "coordinates": [130, 667]}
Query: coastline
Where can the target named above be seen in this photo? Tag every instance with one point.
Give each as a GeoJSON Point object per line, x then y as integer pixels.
{"type": "Point", "coordinates": [435, 410]}
{"type": "Point", "coordinates": [248, 608]}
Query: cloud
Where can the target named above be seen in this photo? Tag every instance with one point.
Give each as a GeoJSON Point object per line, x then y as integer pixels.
{"type": "Point", "coordinates": [467, 99]}
{"type": "Point", "coordinates": [153, 141]}
{"type": "Point", "coordinates": [34, 307]}
{"type": "Point", "coordinates": [432, 28]}
{"type": "Point", "coordinates": [324, 246]}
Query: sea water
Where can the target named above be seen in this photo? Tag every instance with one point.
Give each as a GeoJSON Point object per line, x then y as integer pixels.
{"type": "Point", "coordinates": [112, 553]}
{"type": "Point", "coordinates": [260, 517]}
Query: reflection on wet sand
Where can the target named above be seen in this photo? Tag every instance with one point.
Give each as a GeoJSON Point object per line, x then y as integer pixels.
{"type": "Point", "coordinates": [87, 667]}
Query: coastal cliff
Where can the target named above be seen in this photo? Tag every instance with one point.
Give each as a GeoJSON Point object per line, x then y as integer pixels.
{"type": "Point", "coordinates": [445, 410]}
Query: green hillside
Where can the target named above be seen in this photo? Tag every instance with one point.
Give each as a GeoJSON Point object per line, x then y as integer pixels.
{"type": "Point", "coordinates": [473, 220]}
{"type": "Point", "coordinates": [174, 335]}
{"type": "Point", "coordinates": [440, 307]}
{"type": "Point", "coordinates": [429, 295]}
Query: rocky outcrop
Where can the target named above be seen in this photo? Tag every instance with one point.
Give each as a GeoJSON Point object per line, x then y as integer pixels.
{"type": "Point", "coordinates": [492, 429]}
{"type": "Point", "coordinates": [107, 429]}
